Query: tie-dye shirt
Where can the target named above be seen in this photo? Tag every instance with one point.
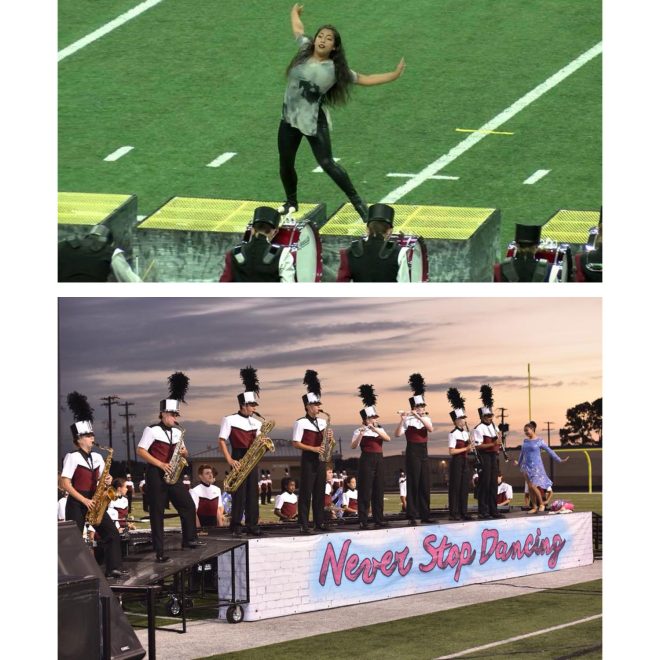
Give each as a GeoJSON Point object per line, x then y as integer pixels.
{"type": "Point", "coordinates": [307, 84]}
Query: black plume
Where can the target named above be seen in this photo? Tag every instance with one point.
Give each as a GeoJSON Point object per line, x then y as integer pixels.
{"type": "Point", "coordinates": [312, 381]}
{"type": "Point", "coordinates": [178, 386]}
{"type": "Point", "coordinates": [417, 384]}
{"type": "Point", "coordinates": [455, 398]}
{"type": "Point", "coordinates": [82, 411]}
{"type": "Point", "coordinates": [368, 395]}
{"type": "Point", "coordinates": [487, 396]}
{"type": "Point", "coordinates": [250, 380]}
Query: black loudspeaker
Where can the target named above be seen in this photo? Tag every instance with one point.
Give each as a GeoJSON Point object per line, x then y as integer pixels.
{"type": "Point", "coordinates": [78, 618]}
{"type": "Point", "coordinates": [75, 563]}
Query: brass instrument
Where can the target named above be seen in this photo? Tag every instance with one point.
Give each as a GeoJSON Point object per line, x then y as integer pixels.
{"type": "Point", "coordinates": [327, 444]}
{"type": "Point", "coordinates": [250, 460]}
{"type": "Point", "coordinates": [103, 494]}
{"type": "Point", "coordinates": [177, 462]}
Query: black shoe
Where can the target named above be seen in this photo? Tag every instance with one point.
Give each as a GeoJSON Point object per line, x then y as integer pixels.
{"type": "Point", "coordinates": [453, 517]}
{"type": "Point", "coordinates": [365, 526]}
{"type": "Point", "coordinates": [467, 517]}
{"type": "Point", "coordinates": [305, 530]}
{"type": "Point", "coordinates": [117, 573]}
{"type": "Point", "coordinates": [161, 558]}
{"type": "Point", "coordinates": [284, 207]}
{"type": "Point", "coordinates": [412, 522]}
{"type": "Point", "coordinates": [382, 523]}
{"type": "Point", "coordinates": [321, 528]}
{"type": "Point", "coordinates": [255, 531]}
{"type": "Point", "coordinates": [483, 516]}
{"type": "Point", "coordinates": [498, 515]}
{"type": "Point", "coordinates": [194, 544]}
{"type": "Point", "coordinates": [429, 521]}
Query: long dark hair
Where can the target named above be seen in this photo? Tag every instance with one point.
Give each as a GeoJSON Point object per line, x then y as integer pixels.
{"type": "Point", "coordinates": [339, 93]}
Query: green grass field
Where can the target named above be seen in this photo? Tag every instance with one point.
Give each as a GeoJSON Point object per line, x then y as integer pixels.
{"type": "Point", "coordinates": [183, 83]}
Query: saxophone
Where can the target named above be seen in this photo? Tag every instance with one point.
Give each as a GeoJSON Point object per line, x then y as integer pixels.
{"type": "Point", "coordinates": [102, 495]}
{"type": "Point", "coordinates": [327, 444]}
{"type": "Point", "coordinates": [178, 462]}
{"type": "Point", "coordinates": [250, 460]}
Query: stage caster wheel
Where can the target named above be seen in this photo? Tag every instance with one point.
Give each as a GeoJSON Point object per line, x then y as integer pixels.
{"type": "Point", "coordinates": [235, 614]}
{"type": "Point", "coordinates": [173, 606]}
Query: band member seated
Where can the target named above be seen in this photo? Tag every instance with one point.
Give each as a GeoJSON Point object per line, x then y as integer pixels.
{"type": "Point", "coordinates": [370, 437]}
{"type": "Point", "coordinates": [208, 498]}
{"type": "Point", "coordinates": [93, 258]}
{"type": "Point", "coordinates": [375, 258]}
{"type": "Point", "coordinates": [589, 261]}
{"type": "Point", "coordinates": [258, 260]}
{"type": "Point", "coordinates": [328, 508]}
{"type": "Point", "coordinates": [524, 266]}
{"type": "Point", "coordinates": [286, 504]}
{"type": "Point", "coordinates": [157, 447]}
{"type": "Point", "coordinates": [504, 491]}
{"type": "Point", "coordinates": [81, 473]}
{"type": "Point", "coordinates": [350, 498]}
{"type": "Point", "coordinates": [118, 509]}
{"type": "Point", "coordinates": [459, 466]}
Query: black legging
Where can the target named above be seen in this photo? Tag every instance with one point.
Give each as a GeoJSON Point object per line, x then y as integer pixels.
{"type": "Point", "coordinates": [288, 141]}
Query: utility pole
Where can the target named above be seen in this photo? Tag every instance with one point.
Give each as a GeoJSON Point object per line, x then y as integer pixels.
{"type": "Point", "coordinates": [126, 415]}
{"type": "Point", "coordinates": [552, 463]}
{"type": "Point", "coordinates": [108, 401]}
{"type": "Point", "coordinates": [548, 429]}
{"type": "Point", "coordinates": [502, 415]}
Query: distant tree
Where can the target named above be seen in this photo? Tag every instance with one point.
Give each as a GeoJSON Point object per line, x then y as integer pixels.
{"type": "Point", "coordinates": [584, 424]}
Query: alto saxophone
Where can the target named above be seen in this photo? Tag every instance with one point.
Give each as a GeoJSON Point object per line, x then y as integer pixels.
{"type": "Point", "coordinates": [250, 460]}
{"type": "Point", "coordinates": [103, 494]}
{"type": "Point", "coordinates": [327, 444]}
{"type": "Point", "coordinates": [177, 462]}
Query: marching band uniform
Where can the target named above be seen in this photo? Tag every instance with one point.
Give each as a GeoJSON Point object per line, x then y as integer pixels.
{"type": "Point", "coordinates": [207, 499]}
{"type": "Point", "coordinates": [459, 468]}
{"type": "Point", "coordinates": [130, 489]}
{"type": "Point", "coordinates": [350, 501]}
{"type": "Point", "coordinates": [524, 266]}
{"type": "Point", "coordinates": [263, 488]}
{"type": "Point", "coordinates": [287, 504]}
{"type": "Point", "coordinates": [504, 493]}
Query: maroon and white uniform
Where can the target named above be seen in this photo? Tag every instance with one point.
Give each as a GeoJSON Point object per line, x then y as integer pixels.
{"type": "Point", "coordinates": [350, 499]}
{"type": "Point", "coordinates": [118, 511]}
{"type": "Point", "coordinates": [459, 474]}
{"type": "Point", "coordinates": [371, 442]}
{"type": "Point", "coordinates": [504, 492]}
{"type": "Point", "coordinates": [327, 499]}
{"type": "Point", "coordinates": [415, 430]}
{"type": "Point", "coordinates": [287, 503]}
{"type": "Point", "coordinates": [160, 441]}
{"type": "Point", "coordinates": [130, 486]}
{"type": "Point", "coordinates": [239, 430]}
{"type": "Point", "coordinates": [307, 432]}
{"type": "Point", "coordinates": [61, 506]}
{"type": "Point", "coordinates": [84, 471]}
{"type": "Point", "coordinates": [207, 500]}
{"type": "Point", "coordinates": [485, 436]}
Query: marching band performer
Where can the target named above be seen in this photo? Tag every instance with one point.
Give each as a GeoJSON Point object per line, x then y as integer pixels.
{"type": "Point", "coordinates": [417, 425]}
{"type": "Point", "coordinates": [524, 266]}
{"type": "Point", "coordinates": [487, 441]}
{"type": "Point", "coordinates": [307, 436]}
{"type": "Point", "coordinates": [370, 436]}
{"type": "Point", "coordinates": [241, 430]}
{"type": "Point", "coordinates": [156, 447]}
{"type": "Point", "coordinates": [208, 498]}
{"type": "Point", "coordinates": [80, 474]}
{"type": "Point", "coordinates": [119, 509]}
{"type": "Point", "coordinates": [286, 504]}
{"type": "Point", "coordinates": [459, 467]}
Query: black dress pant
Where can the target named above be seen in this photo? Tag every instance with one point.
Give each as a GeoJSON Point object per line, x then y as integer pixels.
{"type": "Point", "coordinates": [418, 501]}
{"type": "Point", "coordinates": [312, 486]}
{"type": "Point", "coordinates": [459, 484]}
{"type": "Point", "coordinates": [246, 498]}
{"type": "Point", "coordinates": [107, 530]}
{"type": "Point", "coordinates": [158, 494]}
{"type": "Point", "coordinates": [371, 489]}
{"type": "Point", "coordinates": [487, 487]}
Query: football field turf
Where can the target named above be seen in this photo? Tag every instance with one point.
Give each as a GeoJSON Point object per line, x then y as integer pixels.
{"type": "Point", "coordinates": [184, 83]}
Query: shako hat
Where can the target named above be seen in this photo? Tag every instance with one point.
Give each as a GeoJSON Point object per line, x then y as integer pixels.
{"type": "Point", "coordinates": [178, 384]}
{"type": "Point", "coordinates": [418, 387]}
{"type": "Point", "coordinates": [383, 212]}
{"type": "Point", "coordinates": [486, 394]}
{"type": "Point", "coordinates": [267, 215]}
{"type": "Point", "coordinates": [368, 397]}
{"type": "Point", "coordinates": [251, 384]}
{"type": "Point", "coordinates": [311, 380]}
{"type": "Point", "coordinates": [528, 234]}
{"type": "Point", "coordinates": [83, 414]}
{"type": "Point", "coordinates": [457, 403]}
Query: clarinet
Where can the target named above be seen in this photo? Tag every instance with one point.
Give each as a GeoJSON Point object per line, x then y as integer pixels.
{"type": "Point", "coordinates": [506, 456]}
{"type": "Point", "coordinates": [477, 459]}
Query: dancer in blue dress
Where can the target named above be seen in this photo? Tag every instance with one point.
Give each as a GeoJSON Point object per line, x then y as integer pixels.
{"type": "Point", "coordinates": [531, 465]}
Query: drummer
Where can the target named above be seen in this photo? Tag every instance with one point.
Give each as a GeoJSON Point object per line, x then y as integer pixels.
{"type": "Point", "coordinates": [257, 260]}
{"type": "Point", "coordinates": [375, 258]}
{"type": "Point", "coordinates": [524, 266]}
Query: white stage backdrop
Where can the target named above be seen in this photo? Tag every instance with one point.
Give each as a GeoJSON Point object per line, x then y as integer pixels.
{"type": "Point", "coordinates": [305, 573]}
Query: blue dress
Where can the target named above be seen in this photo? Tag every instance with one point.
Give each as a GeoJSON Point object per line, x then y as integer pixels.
{"type": "Point", "coordinates": [531, 463]}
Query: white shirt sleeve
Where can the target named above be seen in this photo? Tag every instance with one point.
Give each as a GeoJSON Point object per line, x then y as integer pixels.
{"type": "Point", "coordinates": [225, 428]}
{"type": "Point", "coordinates": [477, 436]}
{"type": "Point", "coordinates": [279, 501]}
{"type": "Point", "coordinates": [297, 433]}
{"type": "Point", "coordinates": [403, 274]}
{"type": "Point", "coordinates": [286, 267]}
{"type": "Point", "coordinates": [147, 438]}
{"type": "Point", "coordinates": [69, 466]}
{"type": "Point", "coordinates": [122, 269]}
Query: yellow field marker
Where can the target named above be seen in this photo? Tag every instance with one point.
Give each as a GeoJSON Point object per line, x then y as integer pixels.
{"type": "Point", "coordinates": [476, 130]}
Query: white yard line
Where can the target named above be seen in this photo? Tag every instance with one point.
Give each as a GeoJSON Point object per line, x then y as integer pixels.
{"type": "Point", "coordinates": [539, 174]}
{"type": "Point", "coordinates": [105, 29]}
{"type": "Point", "coordinates": [222, 158]}
{"type": "Point", "coordinates": [116, 155]}
{"type": "Point", "coordinates": [319, 169]}
{"type": "Point", "coordinates": [492, 125]}
{"type": "Point", "coordinates": [476, 649]}
{"type": "Point", "coordinates": [436, 176]}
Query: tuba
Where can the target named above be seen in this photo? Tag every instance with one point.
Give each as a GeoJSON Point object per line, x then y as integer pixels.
{"type": "Point", "coordinates": [250, 460]}
{"type": "Point", "coordinates": [327, 444]}
{"type": "Point", "coordinates": [178, 462]}
{"type": "Point", "coordinates": [103, 494]}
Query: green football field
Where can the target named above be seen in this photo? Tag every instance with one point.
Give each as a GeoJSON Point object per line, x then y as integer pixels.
{"type": "Point", "coordinates": [184, 83]}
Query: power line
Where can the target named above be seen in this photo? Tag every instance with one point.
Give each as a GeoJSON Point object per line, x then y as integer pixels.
{"type": "Point", "coordinates": [108, 401]}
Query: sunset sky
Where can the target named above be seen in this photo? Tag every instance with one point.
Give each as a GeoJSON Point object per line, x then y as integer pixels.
{"type": "Point", "coordinates": [129, 346]}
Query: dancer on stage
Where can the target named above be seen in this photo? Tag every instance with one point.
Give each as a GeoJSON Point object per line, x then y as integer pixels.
{"type": "Point", "coordinates": [157, 447]}
{"type": "Point", "coordinates": [80, 475]}
{"type": "Point", "coordinates": [417, 425]}
{"type": "Point", "coordinates": [459, 466]}
{"type": "Point", "coordinates": [318, 76]}
{"type": "Point", "coordinates": [307, 436]}
{"type": "Point", "coordinates": [370, 436]}
{"type": "Point", "coordinates": [241, 429]}
{"type": "Point", "coordinates": [531, 465]}
{"type": "Point", "coordinates": [487, 440]}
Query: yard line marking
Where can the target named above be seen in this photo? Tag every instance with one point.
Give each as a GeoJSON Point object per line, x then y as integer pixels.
{"type": "Point", "coordinates": [539, 174]}
{"type": "Point", "coordinates": [116, 155]}
{"type": "Point", "coordinates": [477, 130]}
{"type": "Point", "coordinates": [435, 176]}
{"type": "Point", "coordinates": [222, 158]}
{"type": "Point", "coordinates": [319, 169]}
{"type": "Point", "coordinates": [519, 637]}
{"type": "Point", "coordinates": [105, 29]}
{"type": "Point", "coordinates": [493, 124]}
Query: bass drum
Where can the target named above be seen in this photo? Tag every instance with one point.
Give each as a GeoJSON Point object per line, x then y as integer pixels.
{"type": "Point", "coordinates": [418, 261]}
{"type": "Point", "coordinates": [558, 256]}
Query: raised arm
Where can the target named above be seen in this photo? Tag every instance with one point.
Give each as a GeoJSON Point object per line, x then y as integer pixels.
{"type": "Point", "coordinates": [296, 22]}
{"type": "Point", "coordinates": [381, 78]}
